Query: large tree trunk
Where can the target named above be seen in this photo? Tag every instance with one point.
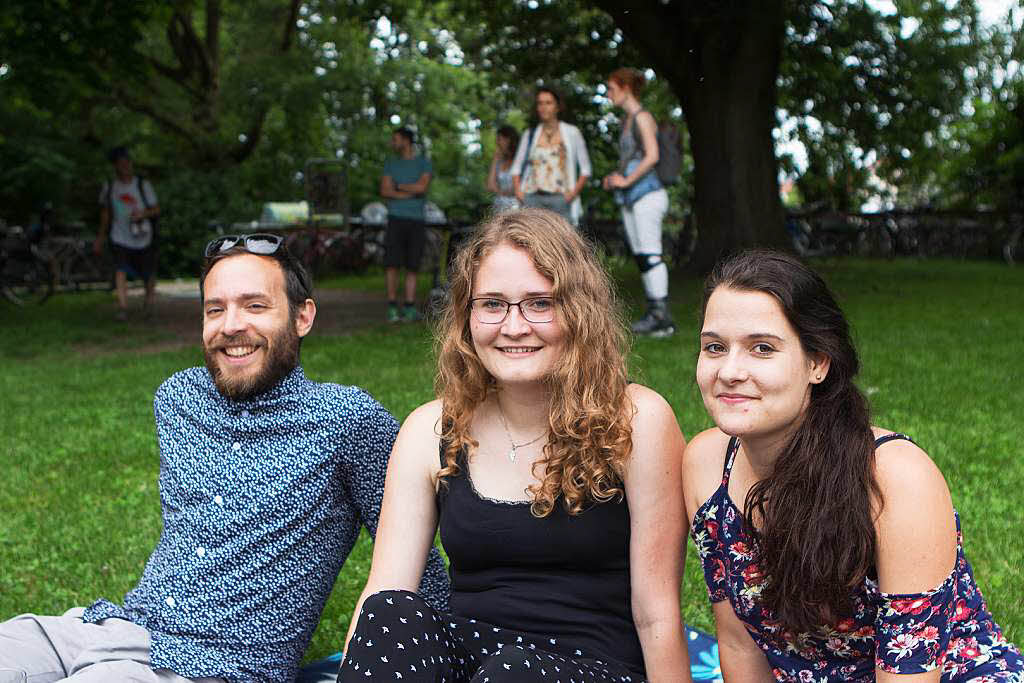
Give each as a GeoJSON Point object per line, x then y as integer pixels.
{"type": "Point", "coordinates": [721, 58]}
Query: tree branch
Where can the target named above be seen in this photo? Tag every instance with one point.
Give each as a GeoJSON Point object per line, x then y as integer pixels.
{"type": "Point", "coordinates": [160, 118]}
{"type": "Point", "coordinates": [255, 131]}
{"type": "Point", "coordinates": [252, 137]}
{"type": "Point", "coordinates": [289, 27]}
{"type": "Point", "coordinates": [178, 76]}
{"type": "Point", "coordinates": [213, 42]}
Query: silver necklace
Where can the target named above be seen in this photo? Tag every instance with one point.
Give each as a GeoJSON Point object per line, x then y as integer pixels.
{"type": "Point", "coordinates": [515, 446]}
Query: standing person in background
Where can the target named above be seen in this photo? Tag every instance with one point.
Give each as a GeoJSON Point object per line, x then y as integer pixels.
{"type": "Point", "coordinates": [551, 164]}
{"type": "Point", "coordinates": [643, 200]}
{"type": "Point", "coordinates": [500, 180]}
{"type": "Point", "coordinates": [128, 211]}
{"type": "Point", "coordinates": [403, 184]}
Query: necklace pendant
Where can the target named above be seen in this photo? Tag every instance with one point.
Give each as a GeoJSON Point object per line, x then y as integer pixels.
{"type": "Point", "coordinates": [512, 454]}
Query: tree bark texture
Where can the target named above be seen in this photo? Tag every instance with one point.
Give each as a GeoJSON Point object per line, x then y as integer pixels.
{"type": "Point", "coordinates": [721, 59]}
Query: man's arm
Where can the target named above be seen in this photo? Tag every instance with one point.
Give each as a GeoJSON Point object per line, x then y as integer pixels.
{"type": "Point", "coordinates": [104, 229]}
{"type": "Point", "coordinates": [389, 190]}
{"type": "Point", "coordinates": [152, 208]}
{"type": "Point", "coordinates": [417, 188]}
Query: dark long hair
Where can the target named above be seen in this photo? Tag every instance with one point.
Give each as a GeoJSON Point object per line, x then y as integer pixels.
{"type": "Point", "coordinates": [510, 134]}
{"type": "Point", "coordinates": [812, 519]}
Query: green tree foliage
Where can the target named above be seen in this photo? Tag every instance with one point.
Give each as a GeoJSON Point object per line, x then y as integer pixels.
{"type": "Point", "coordinates": [983, 154]}
{"type": "Point", "coordinates": [55, 57]}
{"type": "Point", "coordinates": [871, 93]}
{"type": "Point", "coordinates": [224, 100]}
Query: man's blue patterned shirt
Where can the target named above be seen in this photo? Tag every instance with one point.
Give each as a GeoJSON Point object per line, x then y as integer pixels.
{"type": "Point", "coordinates": [262, 501]}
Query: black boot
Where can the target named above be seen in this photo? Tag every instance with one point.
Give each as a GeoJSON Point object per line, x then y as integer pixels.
{"type": "Point", "coordinates": [657, 321]}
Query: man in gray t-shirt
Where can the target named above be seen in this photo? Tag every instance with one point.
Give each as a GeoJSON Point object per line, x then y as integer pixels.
{"type": "Point", "coordinates": [403, 184]}
{"type": "Point", "coordinates": [128, 211]}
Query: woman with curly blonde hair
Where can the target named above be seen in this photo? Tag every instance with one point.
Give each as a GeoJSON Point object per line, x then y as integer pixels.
{"type": "Point", "coordinates": [553, 481]}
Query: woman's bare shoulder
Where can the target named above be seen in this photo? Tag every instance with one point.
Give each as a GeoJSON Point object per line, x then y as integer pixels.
{"type": "Point", "coordinates": [647, 401]}
{"type": "Point", "coordinates": [905, 469]}
{"type": "Point", "coordinates": [427, 413]}
{"type": "Point", "coordinates": [706, 450]}
{"type": "Point", "coordinates": [420, 436]}
{"type": "Point", "coordinates": [703, 463]}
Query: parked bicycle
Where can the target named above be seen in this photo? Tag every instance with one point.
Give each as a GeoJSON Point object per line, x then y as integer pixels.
{"type": "Point", "coordinates": [27, 273]}
{"type": "Point", "coordinates": [78, 268]}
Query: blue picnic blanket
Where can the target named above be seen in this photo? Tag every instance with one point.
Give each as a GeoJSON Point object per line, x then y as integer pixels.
{"type": "Point", "coordinates": [703, 662]}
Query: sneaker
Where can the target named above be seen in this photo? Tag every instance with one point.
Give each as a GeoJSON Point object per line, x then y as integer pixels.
{"type": "Point", "coordinates": [653, 326]}
{"type": "Point", "coordinates": [393, 316]}
{"type": "Point", "coordinates": [410, 314]}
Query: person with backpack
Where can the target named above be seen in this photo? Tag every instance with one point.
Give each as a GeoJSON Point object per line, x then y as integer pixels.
{"type": "Point", "coordinates": [551, 166]}
{"type": "Point", "coordinates": [128, 216]}
{"type": "Point", "coordinates": [640, 191]}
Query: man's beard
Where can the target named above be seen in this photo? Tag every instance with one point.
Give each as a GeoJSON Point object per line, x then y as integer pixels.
{"type": "Point", "coordinates": [281, 357]}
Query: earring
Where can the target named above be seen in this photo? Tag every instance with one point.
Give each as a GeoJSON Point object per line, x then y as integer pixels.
{"type": "Point", "coordinates": [817, 377]}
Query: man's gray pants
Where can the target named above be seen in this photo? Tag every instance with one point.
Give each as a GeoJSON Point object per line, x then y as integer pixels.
{"type": "Point", "coordinates": [35, 649]}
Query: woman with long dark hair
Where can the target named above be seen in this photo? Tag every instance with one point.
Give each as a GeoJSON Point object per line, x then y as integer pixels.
{"type": "Point", "coordinates": [551, 166]}
{"type": "Point", "coordinates": [499, 180]}
{"type": "Point", "coordinates": [549, 475]}
{"type": "Point", "coordinates": [830, 547]}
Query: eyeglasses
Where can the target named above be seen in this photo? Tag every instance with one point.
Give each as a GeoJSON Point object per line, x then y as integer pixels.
{"type": "Point", "coordinates": [260, 243]}
{"type": "Point", "coordinates": [538, 309]}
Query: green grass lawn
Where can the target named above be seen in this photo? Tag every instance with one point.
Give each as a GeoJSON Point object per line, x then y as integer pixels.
{"type": "Point", "coordinates": [79, 507]}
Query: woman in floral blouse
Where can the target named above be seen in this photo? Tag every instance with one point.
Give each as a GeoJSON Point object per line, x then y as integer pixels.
{"type": "Point", "coordinates": [830, 547]}
{"type": "Point", "coordinates": [551, 166]}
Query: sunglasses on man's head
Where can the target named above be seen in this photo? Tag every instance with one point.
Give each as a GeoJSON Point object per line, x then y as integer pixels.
{"type": "Point", "coordinates": [260, 243]}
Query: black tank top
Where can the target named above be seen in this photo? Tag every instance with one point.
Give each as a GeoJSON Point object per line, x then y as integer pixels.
{"type": "Point", "coordinates": [561, 578]}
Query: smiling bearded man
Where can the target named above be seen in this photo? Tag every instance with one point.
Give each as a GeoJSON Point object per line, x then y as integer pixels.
{"type": "Point", "coordinates": [266, 478]}
{"type": "Point", "coordinates": [229, 355]}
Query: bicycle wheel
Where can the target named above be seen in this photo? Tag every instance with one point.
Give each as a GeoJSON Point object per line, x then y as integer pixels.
{"type": "Point", "coordinates": [26, 283]}
{"type": "Point", "coordinates": [80, 271]}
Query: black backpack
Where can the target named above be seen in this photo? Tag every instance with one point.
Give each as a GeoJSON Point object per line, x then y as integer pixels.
{"type": "Point", "coordinates": [670, 151]}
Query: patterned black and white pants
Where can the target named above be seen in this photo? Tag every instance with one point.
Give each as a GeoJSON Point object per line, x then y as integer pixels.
{"type": "Point", "coordinates": [400, 637]}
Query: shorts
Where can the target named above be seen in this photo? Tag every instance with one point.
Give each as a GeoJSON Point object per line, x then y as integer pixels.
{"type": "Point", "coordinates": [404, 241]}
{"type": "Point", "coordinates": [137, 263]}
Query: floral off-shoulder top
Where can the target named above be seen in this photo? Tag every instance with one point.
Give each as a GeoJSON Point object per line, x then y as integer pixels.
{"type": "Point", "coordinates": [947, 628]}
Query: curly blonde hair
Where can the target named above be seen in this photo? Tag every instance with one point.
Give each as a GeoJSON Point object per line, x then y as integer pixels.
{"type": "Point", "coordinates": [590, 432]}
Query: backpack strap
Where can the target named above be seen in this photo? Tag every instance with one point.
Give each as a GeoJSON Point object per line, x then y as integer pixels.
{"type": "Point", "coordinates": [110, 196]}
{"type": "Point", "coordinates": [638, 138]}
{"type": "Point", "coordinates": [154, 221]}
{"type": "Point", "coordinates": [526, 157]}
{"type": "Point", "coordinates": [142, 191]}
{"type": "Point", "coordinates": [636, 129]}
